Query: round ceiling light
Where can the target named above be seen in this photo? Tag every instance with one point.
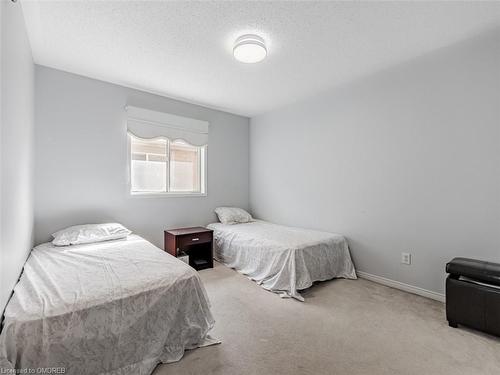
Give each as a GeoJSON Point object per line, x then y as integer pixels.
{"type": "Point", "coordinates": [249, 49]}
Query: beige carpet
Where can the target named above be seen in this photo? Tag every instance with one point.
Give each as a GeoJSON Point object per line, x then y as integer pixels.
{"type": "Point", "coordinates": [347, 327]}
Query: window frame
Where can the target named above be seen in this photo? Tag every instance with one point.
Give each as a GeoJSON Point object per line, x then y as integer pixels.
{"type": "Point", "coordinates": [203, 170]}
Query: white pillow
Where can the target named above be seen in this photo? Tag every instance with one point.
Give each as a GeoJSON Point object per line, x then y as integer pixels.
{"type": "Point", "coordinates": [88, 233]}
{"type": "Point", "coordinates": [232, 215]}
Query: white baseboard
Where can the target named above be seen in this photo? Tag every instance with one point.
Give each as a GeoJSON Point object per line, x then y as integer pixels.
{"type": "Point", "coordinates": [402, 286]}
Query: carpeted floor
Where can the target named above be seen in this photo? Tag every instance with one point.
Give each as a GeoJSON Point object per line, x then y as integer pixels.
{"type": "Point", "coordinates": [348, 327]}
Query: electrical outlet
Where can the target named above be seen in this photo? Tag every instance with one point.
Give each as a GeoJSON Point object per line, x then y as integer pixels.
{"type": "Point", "coordinates": [406, 258]}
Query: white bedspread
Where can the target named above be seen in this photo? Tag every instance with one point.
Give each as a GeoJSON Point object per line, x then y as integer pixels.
{"type": "Point", "coordinates": [282, 259]}
{"type": "Point", "coordinates": [115, 307]}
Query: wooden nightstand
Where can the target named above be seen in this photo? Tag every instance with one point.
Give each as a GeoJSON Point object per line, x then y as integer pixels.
{"type": "Point", "coordinates": [196, 242]}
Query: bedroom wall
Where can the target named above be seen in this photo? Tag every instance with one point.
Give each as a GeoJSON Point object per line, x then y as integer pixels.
{"type": "Point", "coordinates": [81, 159]}
{"type": "Point", "coordinates": [16, 155]}
{"type": "Point", "coordinates": [405, 160]}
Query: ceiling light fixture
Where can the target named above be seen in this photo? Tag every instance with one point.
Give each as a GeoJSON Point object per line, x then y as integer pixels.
{"type": "Point", "coordinates": [249, 49]}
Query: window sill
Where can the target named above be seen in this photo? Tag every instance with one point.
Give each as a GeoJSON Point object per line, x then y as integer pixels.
{"type": "Point", "coordinates": [166, 195]}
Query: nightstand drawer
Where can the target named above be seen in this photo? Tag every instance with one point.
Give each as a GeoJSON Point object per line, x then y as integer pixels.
{"type": "Point", "coordinates": [192, 239]}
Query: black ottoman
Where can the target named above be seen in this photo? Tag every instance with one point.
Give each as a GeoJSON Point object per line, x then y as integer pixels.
{"type": "Point", "coordinates": [473, 294]}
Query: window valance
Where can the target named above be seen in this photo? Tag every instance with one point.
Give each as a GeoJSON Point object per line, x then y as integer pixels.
{"type": "Point", "coordinates": [145, 123]}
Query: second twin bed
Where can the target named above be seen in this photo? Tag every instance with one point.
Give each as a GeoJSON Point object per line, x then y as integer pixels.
{"type": "Point", "coordinates": [282, 259]}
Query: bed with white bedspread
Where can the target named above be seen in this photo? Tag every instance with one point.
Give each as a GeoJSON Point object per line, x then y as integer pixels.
{"type": "Point", "coordinates": [114, 307]}
{"type": "Point", "coordinates": [282, 259]}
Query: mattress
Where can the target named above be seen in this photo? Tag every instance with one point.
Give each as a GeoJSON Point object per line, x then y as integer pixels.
{"type": "Point", "coordinates": [282, 259]}
{"type": "Point", "coordinates": [114, 307]}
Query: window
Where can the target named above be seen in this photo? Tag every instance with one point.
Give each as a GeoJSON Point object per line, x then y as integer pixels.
{"type": "Point", "coordinates": [159, 165]}
{"type": "Point", "coordinates": [168, 153]}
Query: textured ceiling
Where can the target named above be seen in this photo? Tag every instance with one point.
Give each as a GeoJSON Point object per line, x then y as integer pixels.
{"type": "Point", "coordinates": [184, 49]}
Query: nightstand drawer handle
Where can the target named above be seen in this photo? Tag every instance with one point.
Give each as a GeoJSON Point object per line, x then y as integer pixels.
{"type": "Point", "coordinates": [195, 239]}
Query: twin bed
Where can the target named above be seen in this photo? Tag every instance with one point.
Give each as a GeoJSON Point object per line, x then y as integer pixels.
{"type": "Point", "coordinates": [114, 307]}
{"type": "Point", "coordinates": [282, 259]}
{"type": "Point", "coordinates": [122, 306]}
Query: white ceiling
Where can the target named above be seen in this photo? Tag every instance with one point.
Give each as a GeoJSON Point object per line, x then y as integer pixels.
{"type": "Point", "coordinates": [184, 49]}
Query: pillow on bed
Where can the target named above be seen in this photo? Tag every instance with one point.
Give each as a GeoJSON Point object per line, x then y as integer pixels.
{"type": "Point", "coordinates": [232, 215]}
{"type": "Point", "coordinates": [88, 233]}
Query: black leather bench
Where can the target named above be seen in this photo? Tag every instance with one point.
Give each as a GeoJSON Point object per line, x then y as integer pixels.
{"type": "Point", "coordinates": [473, 294]}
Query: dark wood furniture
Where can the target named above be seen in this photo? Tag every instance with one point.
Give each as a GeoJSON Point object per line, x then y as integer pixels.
{"type": "Point", "coordinates": [195, 242]}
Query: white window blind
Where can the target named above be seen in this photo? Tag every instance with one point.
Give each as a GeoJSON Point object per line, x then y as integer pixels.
{"type": "Point", "coordinates": [147, 124]}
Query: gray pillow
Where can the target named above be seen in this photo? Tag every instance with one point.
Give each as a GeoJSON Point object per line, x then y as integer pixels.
{"type": "Point", "coordinates": [232, 215]}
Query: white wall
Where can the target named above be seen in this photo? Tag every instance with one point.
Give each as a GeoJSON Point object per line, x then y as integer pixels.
{"type": "Point", "coordinates": [16, 155]}
{"type": "Point", "coordinates": [404, 160]}
{"type": "Point", "coordinates": [81, 159]}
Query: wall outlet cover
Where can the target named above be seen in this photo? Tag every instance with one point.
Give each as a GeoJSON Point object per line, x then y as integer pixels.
{"type": "Point", "coordinates": [406, 258]}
